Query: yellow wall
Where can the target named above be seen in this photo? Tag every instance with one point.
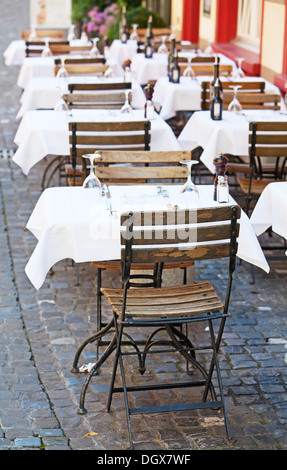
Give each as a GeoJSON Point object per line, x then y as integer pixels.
{"type": "Point", "coordinates": [176, 16]}
{"type": "Point", "coordinates": [207, 25]}
{"type": "Point", "coordinates": [272, 38]}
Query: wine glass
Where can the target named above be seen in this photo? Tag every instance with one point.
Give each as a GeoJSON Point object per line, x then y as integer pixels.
{"type": "Point", "coordinates": [189, 72]}
{"type": "Point", "coordinates": [46, 52]}
{"type": "Point", "coordinates": [239, 72]}
{"type": "Point", "coordinates": [126, 108]}
{"type": "Point", "coordinates": [162, 48]}
{"type": "Point", "coordinates": [234, 106]}
{"type": "Point", "coordinates": [33, 34]}
{"type": "Point", "coordinates": [61, 105]}
{"type": "Point", "coordinates": [208, 50]}
{"type": "Point", "coordinates": [91, 180]}
{"type": "Point", "coordinates": [189, 186]}
{"type": "Point", "coordinates": [62, 72]}
{"type": "Point", "coordinates": [109, 73]}
{"type": "Point", "coordinates": [71, 34]}
{"type": "Point", "coordinates": [94, 52]}
{"type": "Point", "coordinates": [134, 34]}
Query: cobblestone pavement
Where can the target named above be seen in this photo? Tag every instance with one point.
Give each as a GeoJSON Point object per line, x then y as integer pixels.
{"type": "Point", "coordinates": [40, 331]}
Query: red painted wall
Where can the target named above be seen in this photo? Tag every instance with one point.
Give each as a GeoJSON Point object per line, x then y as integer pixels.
{"type": "Point", "coordinates": [190, 23]}
{"type": "Point", "coordinates": [226, 24]}
{"type": "Point", "coordinates": [284, 65]}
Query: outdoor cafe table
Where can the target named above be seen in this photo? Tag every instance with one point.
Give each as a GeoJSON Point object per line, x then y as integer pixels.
{"type": "Point", "coordinates": [271, 210]}
{"type": "Point", "coordinates": [44, 67]}
{"type": "Point", "coordinates": [41, 133]}
{"type": "Point", "coordinates": [75, 223]}
{"type": "Point", "coordinates": [15, 53]}
{"type": "Point", "coordinates": [45, 92]}
{"type": "Point", "coordinates": [152, 69]}
{"type": "Point", "coordinates": [169, 97]}
{"type": "Point", "coordinates": [230, 135]}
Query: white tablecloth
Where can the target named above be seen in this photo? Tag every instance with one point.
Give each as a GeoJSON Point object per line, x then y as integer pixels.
{"type": "Point", "coordinates": [44, 67]}
{"type": "Point", "coordinates": [271, 210]}
{"type": "Point", "coordinates": [75, 223]}
{"type": "Point", "coordinates": [230, 135]}
{"type": "Point", "coordinates": [156, 67]}
{"type": "Point", "coordinates": [15, 53]}
{"type": "Point", "coordinates": [186, 96]}
{"type": "Point", "coordinates": [122, 52]}
{"type": "Point", "coordinates": [42, 133]}
{"type": "Point", "coordinates": [45, 92]}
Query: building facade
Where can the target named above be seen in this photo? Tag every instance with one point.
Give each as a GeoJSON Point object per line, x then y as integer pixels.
{"type": "Point", "coordinates": [255, 30]}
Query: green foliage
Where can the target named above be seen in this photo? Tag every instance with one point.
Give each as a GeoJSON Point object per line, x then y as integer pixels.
{"type": "Point", "coordinates": [80, 9]}
{"type": "Point", "coordinates": [140, 16]}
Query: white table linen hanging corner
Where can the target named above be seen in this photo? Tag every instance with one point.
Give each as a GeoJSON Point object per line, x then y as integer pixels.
{"type": "Point", "coordinates": [45, 92]}
{"type": "Point", "coordinates": [41, 133]}
{"type": "Point", "coordinates": [74, 223]}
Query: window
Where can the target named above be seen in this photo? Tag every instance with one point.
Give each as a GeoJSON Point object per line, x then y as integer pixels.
{"type": "Point", "coordinates": [161, 7]}
{"type": "Point", "coordinates": [249, 22]}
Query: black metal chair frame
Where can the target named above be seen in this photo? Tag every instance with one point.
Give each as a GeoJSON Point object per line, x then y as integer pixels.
{"type": "Point", "coordinates": [177, 340]}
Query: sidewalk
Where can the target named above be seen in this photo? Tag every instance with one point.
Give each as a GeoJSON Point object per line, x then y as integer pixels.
{"type": "Point", "coordinates": [41, 330]}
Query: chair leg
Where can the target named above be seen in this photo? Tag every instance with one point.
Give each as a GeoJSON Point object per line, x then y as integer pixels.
{"type": "Point", "coordinates": [215, 363]}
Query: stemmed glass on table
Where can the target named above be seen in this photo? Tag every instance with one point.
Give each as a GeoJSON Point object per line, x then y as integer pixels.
{"type": "Point", "coordinates": [62, 72]}
{"type": "Point", "coordinates": [189, 72]}
{"type": "Point", "coordinates": [91, 180]}
{"type": "Point", "coordinates": [134, 34]}
{"type": "Point", "coordinates": [234, 106]}
{"type": "Point", "coordinates": [46, 52]}
{"type": "Point", "coordinates": [162, 48]}
{"type": "Point", "coordinates": [239, 72]}
{"type": "Point", "coordinates": [126, 108]}
{"type": "Point", "coordinates": [189, 186]}
{"type": "Point", "coordinates": [94, 52]}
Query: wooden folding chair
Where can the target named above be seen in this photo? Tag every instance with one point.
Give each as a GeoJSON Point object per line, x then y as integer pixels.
{"type": "Point", "coordinates": [35, 48]}
{"type": "Point", "coordinates": [70, 50]}
{"type": "Point", "coordinates": [208, 69]}
{"type": "Point", "coordinates": [108, 100]}
{"type": "Point", "coordinates": [162, 237]}
{"type": "Point", "coordinates": [81, 60]}
{"type": "Point", "coordinates": [43, 34]}
{"type": "Point", "coordinates": [250, 86]}
{"type": "Point", "coordinates": [83, 69]}
{"type": "Point", "coordinates": [136, 167]}
{"type": "Point", "coordinates": [267, 158]}
{"type": "Point", "coordinates": [89, 137]}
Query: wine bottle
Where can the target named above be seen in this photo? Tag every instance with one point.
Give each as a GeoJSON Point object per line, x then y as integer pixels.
{"type": "Point", "coordinates": [124, 27]}
{"type": "Point", "coordinates": [175, 69]}
{"type": "Point", "coordinates": [149, 33]}
{"type": "Point", "coordinates": [216, 103]}
{"type": "Point", "coordinates": [148, 49]}
{"type": "Point", "coordinates": [215, 78]}
{"type": "Point", "coordinates": [170, 58]}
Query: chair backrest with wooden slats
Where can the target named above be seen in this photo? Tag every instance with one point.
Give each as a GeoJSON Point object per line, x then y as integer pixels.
{"type": "Point", "coordinates": [101, 100]}
{"type": "Point", "coordinates": [90, 137]}
{"type": "Point", "coordinates": [157, 32]}
{"type": "Point", "coordinates": [43, 33]}
{"type": "Point", "coordinates": [81, 60]}
{"type": "Point", "coordinates": [208, 69]}
{"type": "Point", "coordinates": [133, 167]}
{"type": "Point", "coordinates": [107, 86]}
{"type": "Point", "coordinates": [164, 236]}
{"type": "Point", "coordinates": [35, 48]}
{"type": "Point", "coordinates": [248, 100]}
{"type": "Point", "coordinates": [70, 50]}
{"type": "Point", "coordinates": [268, 157]}
{"type": "Point", "coordinates": [247, 86]}
{"type": "Point", "coordinates": [182, 60]}
{"type": "Point", "coordinates": [268, 140]}
{"type": "Point", "coordinates": [84, 69]}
